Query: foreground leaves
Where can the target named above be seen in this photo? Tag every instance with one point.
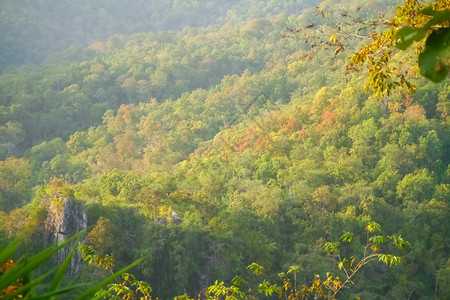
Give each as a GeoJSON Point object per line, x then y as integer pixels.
{"type": "Point", "coordinates": [18, 279]}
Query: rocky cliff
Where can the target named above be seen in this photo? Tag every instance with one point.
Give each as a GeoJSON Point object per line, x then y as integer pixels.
{"type": "Point", "coordinates": [65, 218]}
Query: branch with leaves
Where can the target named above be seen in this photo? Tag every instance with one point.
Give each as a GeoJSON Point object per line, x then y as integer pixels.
{"type": "Point", "coordinates": [373, 250]}
{"type": "Point", "coordinates": [425, 26]}
{"type": "Point", "coordinates": [128, 289]}
{"type": "Point", "coordinates": [21, 278]}
{"type": "Point", "coordinates": [92, 257]}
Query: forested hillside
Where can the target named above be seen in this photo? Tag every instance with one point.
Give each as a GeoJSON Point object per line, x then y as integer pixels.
{"type": "Point", "coordinates": [240, 119]}
{"type": "Point", "coordinates": [33, 31]}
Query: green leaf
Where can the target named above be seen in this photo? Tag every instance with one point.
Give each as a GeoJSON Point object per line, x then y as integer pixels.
{"type": "Point", "coordinates": [389, 259]}
{"type": "Point", "coordinates": [27, 287]}
{"type": "Point", "coordinates": [8, 252]}
{"type": "Point", "coordinates": [347, 237]}
{"type": "Point", "coordinates": [399, 242]}
{"type": "Point", "coordinates": [61, 270]}
{"type": "Point", "coordinates": [256, 269]}
{"type": "Point", "coordinates": [237, 280]}
{"type": "Point", "coordinates": [266, 288]}
{"type": "Point", "coordinates": [23, 268]}
{"type": "Point", "coordinates": [128, 276]}
{"type": "Point", "coordinates": [295, 269]}
{"type": "Point", "coordinates": [395, 260]}
{"type": "Point", "coordinates": [377, 240]}
{"type": "Point", "coordinates": [433, 61]}
{"type": "Point", "coordinates": [429, 11]}
{"type": "Point", "coordinates": [92, 290]}
{"type": "Point", "coordinates": [61, 291]}
{"type": "Point", "coordinates": [407, 35]}
{"type": "Point", "coordinates": [439, 17]}
{"type": "Point", "coordinates": [373, 226]}
{"type": "Point", "coordinates": [331, 247]}
{"type": "Point", "coordinates": [383, 258]}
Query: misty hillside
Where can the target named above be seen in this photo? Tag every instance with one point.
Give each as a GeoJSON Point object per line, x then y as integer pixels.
{"type": "Point", "coordinates": [205, 136]}
{"type": "Point", "coordinates": [32, 31]}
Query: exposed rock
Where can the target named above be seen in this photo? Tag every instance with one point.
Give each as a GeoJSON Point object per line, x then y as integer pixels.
{"type": "Point", "coordinates": [175, 219]}
{"type": "Point", "coordinates": [64, 219]}
{"type": "Point", "coordinates": [162, 220]}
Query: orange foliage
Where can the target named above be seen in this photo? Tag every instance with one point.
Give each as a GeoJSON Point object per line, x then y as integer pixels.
{"type": "Point", "coordinates": [289, 123]}
{"type": "Point", "coordinates": [127, 112]}
{"type": "Point", "coordinates": [408, 101]}
{"type": "Point", "coordinates": [127, 116]}
{"type": "Point", "coordinates": [415, 112]}
{"type": "Point", "coordinates": [262, 142]}
{"type": "Point", "coordinates": [240, 145]}
{"type": "Point", "coordinates": [97, 68]}
{"type": "Point", "coordinates": [252, 138]}
{"type": "Point", "coordinates": [328, 120]}
{"type": "Point", "coordinates": [215, 98]}
{"type": "Point", "coordinates": [302, 134]}
{"type": "Point", "coordinates": [394, 106]}
{"type": "Point", "coordinates": [8, 264]}
{"type": "Point", "coordinates": [247, 140]}
{"type": "Point", "coordinates": [12, 288]}
{"type": "Point", "coordinates": [97, 46]}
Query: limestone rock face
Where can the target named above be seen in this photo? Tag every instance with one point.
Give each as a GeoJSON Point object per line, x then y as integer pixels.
{"type": "Point", "coordinates": [64, 219]}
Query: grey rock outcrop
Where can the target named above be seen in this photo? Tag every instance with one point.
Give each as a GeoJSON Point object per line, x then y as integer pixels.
{"type": "Point", "coordinates": [162, 220]}
{"type": "Point", "coordinates": [64, 219]}
{"type": "Point", "coordinates": [175, 218]}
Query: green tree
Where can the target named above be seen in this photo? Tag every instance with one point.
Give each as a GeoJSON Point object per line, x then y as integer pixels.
{"type": "Point", "coordinates": [12, 136]}
{"type": "Point", "coordinates": [417, 187]}
{"type": "Point", "coordinates": [101, 236]}
{"type": "Point", "coordinates": [14, 183]}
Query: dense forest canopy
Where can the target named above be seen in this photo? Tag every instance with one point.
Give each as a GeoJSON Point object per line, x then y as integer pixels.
{"type": "Point", "coordinates": [205, 136]}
